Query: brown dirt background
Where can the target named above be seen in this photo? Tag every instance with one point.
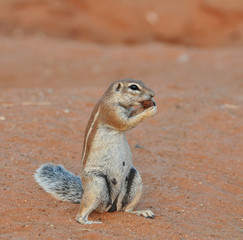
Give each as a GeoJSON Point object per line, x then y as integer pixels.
{"type": "Point", "coordinates": [56, 60]}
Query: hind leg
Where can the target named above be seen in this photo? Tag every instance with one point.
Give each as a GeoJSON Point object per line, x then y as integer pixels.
{"type": "Point", "coordinates": [133, 195]}
{"type": "Point", "coordinates": [95, 195]}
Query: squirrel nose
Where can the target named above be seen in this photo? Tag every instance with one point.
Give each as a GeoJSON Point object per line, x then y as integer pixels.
{"type": "Point", "coordinates": [152, 94]}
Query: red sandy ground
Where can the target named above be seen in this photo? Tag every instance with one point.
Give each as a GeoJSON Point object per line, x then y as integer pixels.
{"type": "Point", "coordinates": [189, 155]}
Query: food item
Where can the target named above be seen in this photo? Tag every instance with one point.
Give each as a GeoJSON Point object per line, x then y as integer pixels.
{"type": "Point", "coordinates": [147, 103]}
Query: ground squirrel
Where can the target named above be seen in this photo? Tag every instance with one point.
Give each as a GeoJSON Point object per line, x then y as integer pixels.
{"type": "Point", "coordinates": [109, 182]}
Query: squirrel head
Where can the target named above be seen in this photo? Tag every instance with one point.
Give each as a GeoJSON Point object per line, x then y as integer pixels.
{"type": "Point", "coordinates": [129, 92]}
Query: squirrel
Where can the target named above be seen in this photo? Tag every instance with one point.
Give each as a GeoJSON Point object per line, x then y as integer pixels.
{"type": "Point", "coordinates": [109, 182]}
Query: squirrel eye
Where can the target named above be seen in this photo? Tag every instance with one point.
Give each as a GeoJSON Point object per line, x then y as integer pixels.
{"type": "Point", "coordinates": [134, 87]}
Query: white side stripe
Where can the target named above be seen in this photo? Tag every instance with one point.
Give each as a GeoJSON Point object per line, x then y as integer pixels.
{"type": "Point", "coordinates": [90, 129]}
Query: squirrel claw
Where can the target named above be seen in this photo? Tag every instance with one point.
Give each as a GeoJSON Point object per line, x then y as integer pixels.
{"type": "Point", "coordinates": [144, 213]}
{"type": "Point", "coordinates": [92, 222]}
{"type": "Point", "coordinates": [85, 221]}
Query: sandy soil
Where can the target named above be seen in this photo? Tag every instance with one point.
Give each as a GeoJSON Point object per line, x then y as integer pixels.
{"type": "Point", "coordinates": [190, 22]}
{"type": "Point", "coordinates": [189, 155]}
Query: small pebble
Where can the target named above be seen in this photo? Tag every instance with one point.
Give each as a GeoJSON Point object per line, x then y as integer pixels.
{"type": "Point", "coordinates": [152, 17]}
{"type": "Point", "coordinates": [183, 58]}
{"type": "Point", "coordinates": [229, 106]}
{"type": "Point", "coordinates": [138, 146]}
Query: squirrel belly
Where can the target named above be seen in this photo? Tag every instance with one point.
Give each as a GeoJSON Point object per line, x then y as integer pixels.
{"type": "Point", "coordinates": [59, 182]}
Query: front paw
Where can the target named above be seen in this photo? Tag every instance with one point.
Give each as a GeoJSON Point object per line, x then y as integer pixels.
{"type": "Point", "coordinates": [149, 112]}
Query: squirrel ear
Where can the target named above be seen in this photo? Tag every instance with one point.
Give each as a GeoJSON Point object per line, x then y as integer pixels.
{"type": "Point", "coordinates": [118, 86]}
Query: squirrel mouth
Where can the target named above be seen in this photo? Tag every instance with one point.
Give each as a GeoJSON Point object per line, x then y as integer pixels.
{"type": "Point", "coordinates": [147, 103]}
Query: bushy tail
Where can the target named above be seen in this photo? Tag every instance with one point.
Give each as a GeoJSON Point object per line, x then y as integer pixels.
{"type": "Point", "coordinates": [59, 182]}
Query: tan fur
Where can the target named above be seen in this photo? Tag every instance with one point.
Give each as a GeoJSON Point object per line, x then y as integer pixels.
{"type": "Point", "coordinates": [107, 152]}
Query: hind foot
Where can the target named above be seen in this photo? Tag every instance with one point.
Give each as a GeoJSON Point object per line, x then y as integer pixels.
{"type": "Point", "coordinates": [85, 220]}
{"type": "Point", "coordinates": [144, 213]}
